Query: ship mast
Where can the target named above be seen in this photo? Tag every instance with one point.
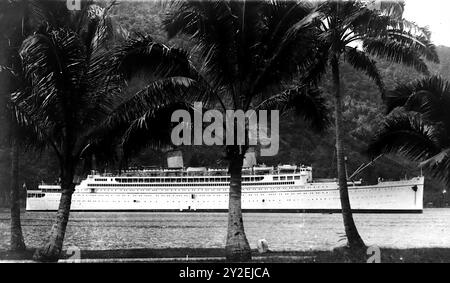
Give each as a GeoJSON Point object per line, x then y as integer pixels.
{"type": "Point", "coordinates": [364, 166]}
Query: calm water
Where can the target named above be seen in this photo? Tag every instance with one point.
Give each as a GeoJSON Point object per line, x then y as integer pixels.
{"type": "Point", "coordinates": [283, 231]}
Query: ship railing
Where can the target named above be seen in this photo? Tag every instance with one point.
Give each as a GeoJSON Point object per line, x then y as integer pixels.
{"type": "Point", "coordinates": [334, 180]}
{"type": "Point", "coordinates": [389, 181]}
{"type": "Point", "coordinates": [183, 171]}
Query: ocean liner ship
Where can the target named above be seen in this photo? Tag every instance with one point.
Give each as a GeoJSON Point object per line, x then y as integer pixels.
{"type": "Point", "coordinates": [284, 188]}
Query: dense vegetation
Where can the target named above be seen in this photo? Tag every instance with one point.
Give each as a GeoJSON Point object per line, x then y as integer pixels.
{"type": "Point", "coordinates": [363, 115]}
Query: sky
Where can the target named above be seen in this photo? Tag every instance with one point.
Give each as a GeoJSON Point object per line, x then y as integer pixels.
{"type": "Point", "coordinates": [432, 13]}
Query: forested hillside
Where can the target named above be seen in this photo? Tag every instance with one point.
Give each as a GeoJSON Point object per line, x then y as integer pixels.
{"type": "Point", "coordinates": [298, 144]}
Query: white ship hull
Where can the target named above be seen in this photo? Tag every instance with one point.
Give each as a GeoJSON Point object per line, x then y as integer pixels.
{"type": "Point", "coordinates": [298, 196]}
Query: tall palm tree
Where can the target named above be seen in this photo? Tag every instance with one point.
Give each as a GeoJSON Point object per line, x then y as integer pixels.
{"type": "Point", "coordinates": [250, 55]}
{"type": "Point", "coordinates": [9, 41]}
{"type": "Point", "coordinates": [17, 18]}
{"type": "Point", "coordinates": [353, 31]}
{"type": "Point", "coordinates": [75, 93]}
{"type": "Point", "coordinates": [418, 125]}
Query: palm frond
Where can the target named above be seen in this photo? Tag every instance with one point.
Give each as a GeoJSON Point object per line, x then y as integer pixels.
{"type": "Point", "coordinates": [421, 44]}
{"type": "Point", "coordinates": [409, 27]}
{"type": "Point", "coordinates": [428, 96]}
{"type": "Point", "coordinates": [152, 129]}
{"type": "Point", "coordinates": [289, 48]}
{"type": "Point", "coordinates": [360, 61]}
{"type": "Point", "coordinates": [406, 134]}
{"type": "Point", "coordinates": [365, 21]}
{"type": "Point", "coordinates": [397, 97]}
{"type": "Point", "coordinates": [382, 30]}
{"type": "Point", "coordinates": [438, 166]}
{"type": "Point", "coordinates": [396, 52]}
{"type": "Point", "coordinates": [142, 53]}
{"type": "Point", "coordinates": [436, 159]}
{"type": "Point", "coordinates": [150, 99]}
{"type": "Point", "coordinates": [214, 25]}
{"type": "Point", "coordinates": [29, 134]}
{"type": "Point", "coordinates": [318, 66]}
{"type": "Point", "coordinates": [8, 70]}
{"type": "Point", "coordinates": [306, 101]}
{"type": "Point", "coordinates": [393, 9]}
{"type": "Point", "coordinates": [58, 57]}
{"type": "Point", "coordinates": [94, 27]}
{"type": "Point", "coordinates": [53, 12]}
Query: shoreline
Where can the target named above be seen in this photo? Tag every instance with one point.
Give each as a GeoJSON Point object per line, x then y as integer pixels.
{"type": "Point", "coordinates": [7, 209]}
{"type": "Point", "coordinates": [212, 255]}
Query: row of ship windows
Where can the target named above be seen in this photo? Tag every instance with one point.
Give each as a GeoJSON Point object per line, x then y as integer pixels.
{"type": "Point", "coordinates": [287, 178]}
{"type": "Point", "coordinates": [185, 185]}
{"type": "Point", "coordinates": [203, 201]}
{"type": "Point", "coordinates": [200, 189]}
{"type": "Point", "coordinates": [39, 195]}
{"type": "Point", "coordinates": [192, 196]}
{"type": "Point", "coordinates": [35, 195]}
{"type": "Point", "coordinates": [103, 190]}
{"type": "Point", "coordinates": [195, 180]}
{"type": "Point", "coordinates": [183, 195]}
{"type": "Point", "coordinates": [100, 190]}
{"type": "Point", "coordinates": [223, 199]}
{"type": "Point", "coordinates": [180, 180]}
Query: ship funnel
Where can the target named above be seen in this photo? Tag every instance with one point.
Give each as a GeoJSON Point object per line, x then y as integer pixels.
{"type": "Point", "coordinates": [250, 158]}
{"type": "Point", "coordinates": [175, 159]}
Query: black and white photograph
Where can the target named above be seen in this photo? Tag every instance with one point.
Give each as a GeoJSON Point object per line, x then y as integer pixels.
{"type": "Point", "coordinates": [243, 132]}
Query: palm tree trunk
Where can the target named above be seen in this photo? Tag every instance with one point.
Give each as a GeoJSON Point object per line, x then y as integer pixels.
{"type": "Point", "coordinates": [237, 247]}
{"type": "Point", "coordinates": [354, 239]}
{"type": "Point", "coordinates": [52, 250]}
{"type": "Point", "coordinates": [17, 242]}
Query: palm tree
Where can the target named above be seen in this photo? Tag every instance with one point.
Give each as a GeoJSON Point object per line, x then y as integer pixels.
{"type": "Point", "coordinates": [250, 55]}
{"type": "Point", "coordinates": [418, 125]}
{"type": "Point", "coordinates": [17, 18]}
{"type": "Point", "coordinates": [353, 31]}
{"type": "Point", "coordinates": [76, 92]}
{"type": "Point", "coordinates": [9, 41]}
